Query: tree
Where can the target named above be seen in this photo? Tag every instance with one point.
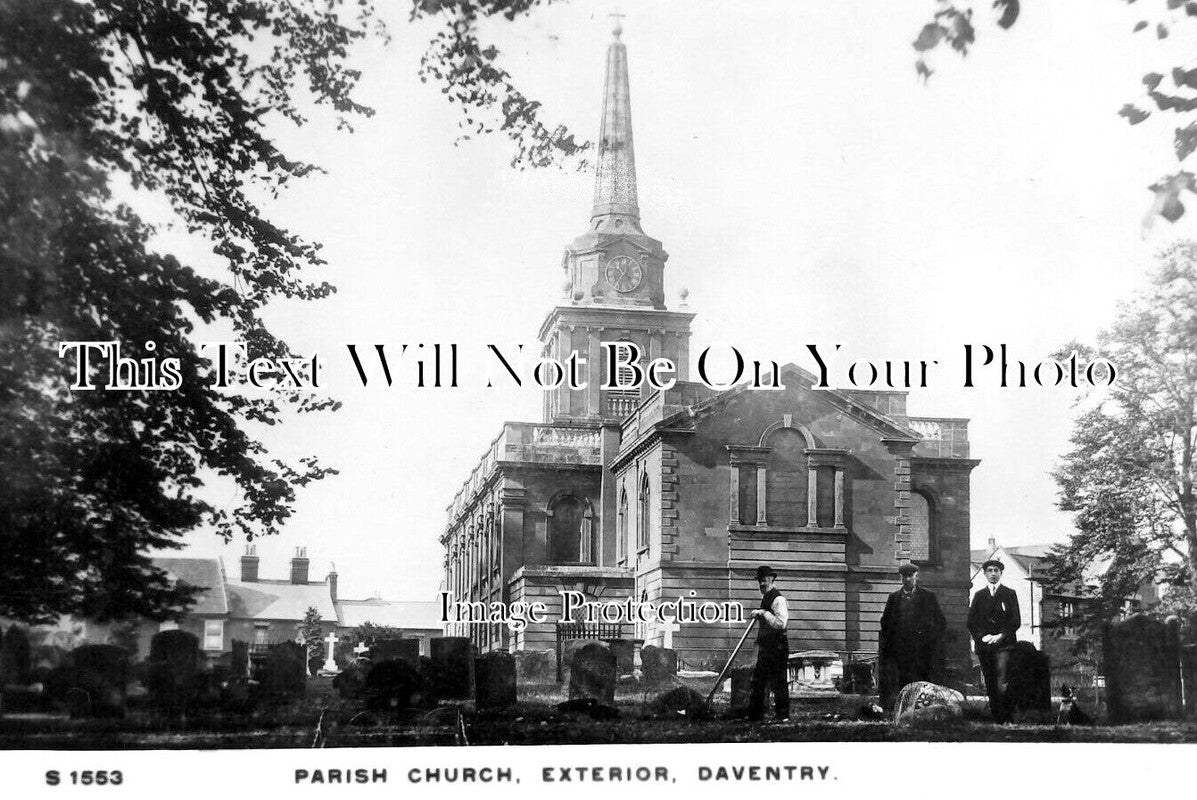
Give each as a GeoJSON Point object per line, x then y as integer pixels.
{"type": "Point", "coordinates": [952, 25]}
{"type": "Point", "coordinates": [172, 97]}
{"type": "Point", "coordinates": [369, 633]}
{"type": "Point", "coordinates": [1129, 475]}
{"type": "Point", "coordinates": [311, 633]}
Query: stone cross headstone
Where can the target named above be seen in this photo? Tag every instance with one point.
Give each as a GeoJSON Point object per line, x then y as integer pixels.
{"type": "Point", "coordinates": [494, 680]}
{"type": "Point", "coordinates": [668, 629]}
{"type": "Point", "coordinates": [360, 649]}
{"type": "Point", "coordinates": [453, 667]}
{"type": "Point", "coordinates": [592, 674]}
{"type": "Point", "coordinates": [330, 641]}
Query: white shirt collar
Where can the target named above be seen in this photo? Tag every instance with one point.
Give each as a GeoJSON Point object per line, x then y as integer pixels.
{"type": "Point", "coordinates": [993, 587]}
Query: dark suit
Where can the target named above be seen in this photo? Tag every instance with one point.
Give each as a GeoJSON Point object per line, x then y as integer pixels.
{"type": "Point", "coordinates": [911, 628]}
{"type": "Point", "coordinates": [992, 613]}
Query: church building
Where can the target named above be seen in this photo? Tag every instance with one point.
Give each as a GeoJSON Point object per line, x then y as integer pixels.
{"type": "Point", "coordinates": [661, 495]}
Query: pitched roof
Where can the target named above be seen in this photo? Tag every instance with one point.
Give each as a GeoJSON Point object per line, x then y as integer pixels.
{"type": "Point", "coordinates": [269, 599]}
{"type": "Point", "coordinates": [205, 573]}
{"type": "Point", "coordinates": [412, 614]}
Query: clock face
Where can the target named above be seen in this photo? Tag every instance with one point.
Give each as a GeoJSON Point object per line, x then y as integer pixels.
{"type": "Point", "coordinates": [624, 273]}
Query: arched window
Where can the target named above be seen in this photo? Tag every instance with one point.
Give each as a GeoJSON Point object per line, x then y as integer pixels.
{"type": "Point", "coordinates": [621, 546]}
{"type": "Point", "coordinates": [786, 479]}
{"type": "Point", "coordinates": [922, 528]}
{"type": "Point", "coordinates": [621, 402]}
{"type": "Point", "coordinates": [570, 526]}
{"type": "Point", "coordinates": [643, 514]}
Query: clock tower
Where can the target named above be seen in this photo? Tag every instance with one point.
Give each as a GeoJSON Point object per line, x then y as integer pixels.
{"type": "Point", "coordinates": [614, 276]}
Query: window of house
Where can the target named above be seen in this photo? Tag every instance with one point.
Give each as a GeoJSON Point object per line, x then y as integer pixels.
{"type": "Point", "coordinates": [1068, 618]}
{"type": "Point", "coordinates": [214, 634]}
{"type": "Point", "coordinates": [922, 528]}
{"type": "Point", "coordinates": [570, 524]}
{"type": "Point", "coordinates": [621, 545]}
{"type": "Point", "coordinates": [261, 633]}
{"type": "Point", "coordinates": [643, 514]}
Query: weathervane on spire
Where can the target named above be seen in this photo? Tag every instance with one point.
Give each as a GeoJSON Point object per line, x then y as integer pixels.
{"type": "Point", "coordinates": [618, 23]}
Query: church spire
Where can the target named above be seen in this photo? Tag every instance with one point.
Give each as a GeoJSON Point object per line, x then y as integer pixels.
{"type": "Point", "coordinates": [615, 206]}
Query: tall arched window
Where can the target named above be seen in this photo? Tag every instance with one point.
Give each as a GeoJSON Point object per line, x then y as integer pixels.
{"type": "Point", "coordinates": [922, 528]}
{"type": "Point", "coordinates": [621, 546]}
{"type": "Point", "coordinates": [786, 479]}
{"type": "Point", "coordinates": [570, 531]}
{"type": "Point", "coordinates": [643, 514]}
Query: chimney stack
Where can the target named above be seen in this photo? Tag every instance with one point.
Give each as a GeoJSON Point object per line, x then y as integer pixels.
{"type": "Point", "coordinates": [249, 564]}
{"type": "Point", "coordinates": [332, 582]}
{"type": "Point", "coordinates": [299, 566]}
{"type": "Point", "coordinates": [992, 544]}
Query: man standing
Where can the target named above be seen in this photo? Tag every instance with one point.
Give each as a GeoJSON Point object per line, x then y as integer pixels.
{"type": "Point", "coordinates": [772, 650]}
{"type": "Point", "coordinates": [911, 627]}
{"type": "Point", "coordinates": [993, 621]}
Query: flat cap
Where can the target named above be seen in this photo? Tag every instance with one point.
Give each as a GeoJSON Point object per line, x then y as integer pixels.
{"type": "Point", "coordinates": [908, 569]}
{"type": "Point", "coordinates": [993, 562]}
{"type": "Point", "coordinates": [764, 570]}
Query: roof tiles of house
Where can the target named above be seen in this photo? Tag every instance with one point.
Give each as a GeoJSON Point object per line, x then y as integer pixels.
{"type": "Point", "coordinates": [415, 615]}
{"type": "Point", "coordinates": [269, 599]}
{"type": "Point", "coordinates": [204, 573]}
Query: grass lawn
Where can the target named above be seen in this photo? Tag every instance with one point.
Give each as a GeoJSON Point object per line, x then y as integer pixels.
{"type": "Point", "coordinates": [533, 720]}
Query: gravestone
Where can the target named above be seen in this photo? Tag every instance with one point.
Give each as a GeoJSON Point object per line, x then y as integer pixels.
{"type": "Point", "coordinates": [657, 664]}
{"type": "Point", "coordinates": [680, 701]}
{"type": "Point", "coordinates": [1142, 671]}
{"type": "Point", "coordinates": [592, 674]}
{"type": "Point", "coordinates": [14, 657]}
{"type": "Point", "coordinates": [625, 655]}
{"type": "Point", "coordinates": [239, 659]}
{"type": "Point", "coordinates": [741, 677]}
{"type": "Point", "coordinates": [407, 650]}
{"type": "Point", "coordinates": [534, 666]}
{"type": "Point", "coordinates": [172, 670]}
{"type": "Point", "coordinates": [568, 649]}
{"type": "Point", "coordinates": [352, 678]}
{"type": "Point", "coordinates": [285, 671]}
{"type": "Point", "coordinates": [452, 667]}
{"type": "Point", "coordinates": [100, 681]}
{"type": "Point", "coordinates": [1028, 680]}
{"type": "Point", "coordinates": [393, 685]}
{"type": "Point", "coordinates": [926, 703]}
{"type": "Point", "coordinates": [494, 680]}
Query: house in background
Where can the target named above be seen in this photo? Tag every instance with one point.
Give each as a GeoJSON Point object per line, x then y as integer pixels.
{"type": "Point", "coordinates": [415, 619]}
{"type": "Point", "coordinates": [251, 608]}
{"type": "Point", "coordinates": [1045, 608]}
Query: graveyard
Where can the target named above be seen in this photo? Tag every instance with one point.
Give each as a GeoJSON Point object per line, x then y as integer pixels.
{"type": "Point", "coordinates": [389, 695]}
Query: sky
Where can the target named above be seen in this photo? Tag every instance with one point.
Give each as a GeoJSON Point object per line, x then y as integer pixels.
{"type": "Point", "coordinates": [808, 187]}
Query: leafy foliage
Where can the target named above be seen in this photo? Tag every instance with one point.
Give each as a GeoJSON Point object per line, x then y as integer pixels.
{"type": "Point", "coordinates": [1130, 473]}
{"type": "Point", "coordinates": [172, 97]}
{"type": "Point", "coordinates": [952, 24]}
{"type": "Point", "coordinates": [368, 632]}
{"type": "Point", "coordinates": [469, 75]}
{"type": "Point", "coordinates": [311, 634]}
